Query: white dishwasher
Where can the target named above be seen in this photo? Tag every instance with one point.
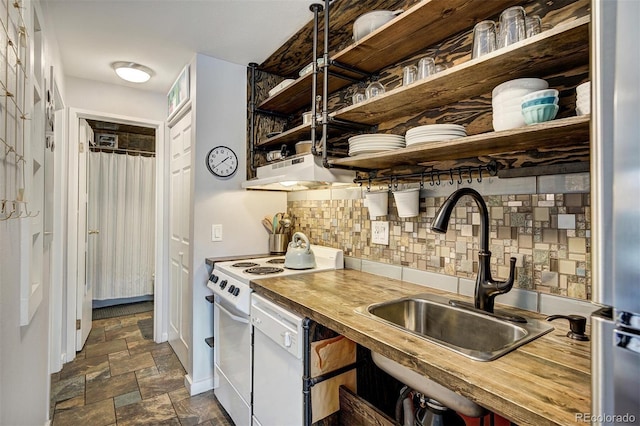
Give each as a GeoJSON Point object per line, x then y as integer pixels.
{"type": "Point", "coordinates": [277, 364]}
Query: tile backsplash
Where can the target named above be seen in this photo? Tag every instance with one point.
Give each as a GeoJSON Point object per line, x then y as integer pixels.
{"type": "Point", "coordinates": [548, 233]}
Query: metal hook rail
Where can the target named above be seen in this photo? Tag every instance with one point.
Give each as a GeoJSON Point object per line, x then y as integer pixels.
{"type": "Point", "coordinates": [435, 177]}
{"type": "Point", "coordinates": [16, 212]}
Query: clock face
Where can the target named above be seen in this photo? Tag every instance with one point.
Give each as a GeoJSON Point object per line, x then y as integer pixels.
{"type": "Point", "coordinates": [222, 161]}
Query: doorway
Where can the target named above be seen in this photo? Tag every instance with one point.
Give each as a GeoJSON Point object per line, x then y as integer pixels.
{"type": "Point", "coordinates": [78, 232]}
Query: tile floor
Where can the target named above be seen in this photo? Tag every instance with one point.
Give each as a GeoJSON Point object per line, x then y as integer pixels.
{"type": "Point", "coordinates": [121, 378]}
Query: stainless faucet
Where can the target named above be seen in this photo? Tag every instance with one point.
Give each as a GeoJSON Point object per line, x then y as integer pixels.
{"type": "Point", "coordinates": [486, 287]}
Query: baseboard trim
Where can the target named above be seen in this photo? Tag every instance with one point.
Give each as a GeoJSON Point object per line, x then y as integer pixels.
{"type": "Point", "coordinates": [196, 388]}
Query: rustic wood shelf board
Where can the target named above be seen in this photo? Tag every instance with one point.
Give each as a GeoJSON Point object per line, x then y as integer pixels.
{"type": "Point", "coordinates": [544, 54]}
{"type": "Point", "coordinates": [557, 133]}
{"type": "Point", "coordinates": [418, 28]}
{"type": "Point", "coordinates": [296, 134]}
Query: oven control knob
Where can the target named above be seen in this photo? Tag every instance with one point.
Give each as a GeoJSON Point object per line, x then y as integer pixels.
{"type": "Point", "coordinates": [223, 284]}
{"type": "Point", "coordinates": [231, 289]}
{"type": "Point", "coordinates": [286, 341]}
{"type": "Point", "coordinates": [236, 291]}
{"type": "Point", "coordinates": [213, 278]}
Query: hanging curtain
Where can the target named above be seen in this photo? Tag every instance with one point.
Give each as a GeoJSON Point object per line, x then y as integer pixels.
{"type": "Point", "coordinates": [120, 258]}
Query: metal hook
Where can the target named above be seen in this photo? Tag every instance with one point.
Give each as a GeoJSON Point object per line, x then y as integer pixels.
{"type": "Point", "coordinates": [450, 176]}
{"type": "Point", "coordinates": [422, 180]}
{"type": "Point", "coordinates": [395, 185]}
{"type": "Point", "coordinates": [438, 182]}
{"type": "Point", "coordinates": [432, 182]}
{"type": "Point", "coordinates": [368, 185]}
{"type": "Point", "coordinates": [470, 179]}
{"type": "Point", "coordinates": [459, 176]}
{"type": "Point", "coordinates": [479, 174]}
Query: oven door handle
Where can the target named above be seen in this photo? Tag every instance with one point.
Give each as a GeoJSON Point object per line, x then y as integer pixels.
{"type": "Point", "coordinates": [233, 317]}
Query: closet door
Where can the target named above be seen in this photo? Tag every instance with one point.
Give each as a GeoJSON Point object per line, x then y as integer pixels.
{"type": "Point", "coordinates": [179, 219]}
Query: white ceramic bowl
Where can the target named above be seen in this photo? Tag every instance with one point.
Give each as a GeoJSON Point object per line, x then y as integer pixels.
{"type": "Point", "coordinates": [512, 120]}
{"type": "Point", "coordinates": [369, 22]}
{"type": "Point", "coordinates": [540, 94]}
{"type": "Point", "coordinates": [281, 86]}
{"type": "Point", "coordinates": [303, 147]}
{"type": "Point", "coordinates": [531, 84]}
{"type": "Point", "coordinates": [584, 87]}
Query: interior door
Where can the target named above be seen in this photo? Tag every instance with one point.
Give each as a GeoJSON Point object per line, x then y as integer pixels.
{"type": "Point", "coordinates": [179, 220]}
{"type": "Point", "coordinates": [84, 288]}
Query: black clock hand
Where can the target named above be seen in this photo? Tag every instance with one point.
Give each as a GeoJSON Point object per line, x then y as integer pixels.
{"type": "Point", "coordinates": [221, 162]}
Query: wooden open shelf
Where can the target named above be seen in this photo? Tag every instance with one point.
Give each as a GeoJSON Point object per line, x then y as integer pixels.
{"type": "Point", "coordinates": [419, 27]}
{"type": "Point", "coordinates": [560, 48]}
{"type": "Point", "coordinates": [297, 134]}
{"type": "Point", "coordinates": [564, 132]}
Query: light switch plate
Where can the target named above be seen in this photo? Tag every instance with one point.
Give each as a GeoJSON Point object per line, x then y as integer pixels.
{"type": "Point", "coordinates": [380, 232]}
{"type": "Point", "coordinates": [216, 232]}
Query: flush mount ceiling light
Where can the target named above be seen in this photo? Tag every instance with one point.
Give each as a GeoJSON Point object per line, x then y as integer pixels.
{"type": "Point", "coordinates": [130, 71]}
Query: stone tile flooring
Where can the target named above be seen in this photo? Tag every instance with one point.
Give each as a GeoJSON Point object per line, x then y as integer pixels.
{"type": "Point", "coordinates": [119, 378]}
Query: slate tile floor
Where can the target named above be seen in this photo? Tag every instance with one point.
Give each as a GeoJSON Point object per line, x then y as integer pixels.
{"type": "Point", "coordinates": [120, 378]}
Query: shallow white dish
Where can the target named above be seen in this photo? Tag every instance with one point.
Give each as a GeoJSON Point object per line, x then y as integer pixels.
{"type": "Point", "coordinates": [530, 84]}
{"type": "Point", "coordinates": [280, 86]}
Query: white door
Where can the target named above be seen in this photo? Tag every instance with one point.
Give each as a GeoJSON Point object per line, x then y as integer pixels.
{"type": "Point", "coordinates": [179, 220]}
{"type": "Point", "coordinates": [84, 296]}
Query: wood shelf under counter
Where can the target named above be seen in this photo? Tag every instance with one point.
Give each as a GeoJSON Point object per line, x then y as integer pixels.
{"type": "Point", "coordinates": [560, 48]}
{"type": "Point", "coordinates": [571, 131]}
{"type": "Point", "coordinates": [421, 26]}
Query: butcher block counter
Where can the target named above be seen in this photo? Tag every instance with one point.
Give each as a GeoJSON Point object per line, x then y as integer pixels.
{"type": "Point", "coordinates": [545, 382]}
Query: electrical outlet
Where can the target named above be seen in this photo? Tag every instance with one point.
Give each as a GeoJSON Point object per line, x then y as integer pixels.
{"type": "Point", "coordinates": [216, 232]}
{"type": "Point", "coordinates": [380, 232]}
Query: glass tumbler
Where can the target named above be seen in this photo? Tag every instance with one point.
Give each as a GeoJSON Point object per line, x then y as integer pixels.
{"type": "Point", "coordinates": [358, 96]}
{"type": "Point", "coordinates": [484, 38]}
{"type": "Point", "coordinates": [533, 25]}
{"type": "Point", "coordinates": [374, 89]}
{"type": "Point", "coordinates": [426, 67]}
{"type": "Point", "coordinates": [512, 26]}
{"type": "Point", "coordinates": [409, 74]}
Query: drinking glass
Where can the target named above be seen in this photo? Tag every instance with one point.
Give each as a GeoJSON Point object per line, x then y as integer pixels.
{"type": "Point", "coordinates": [358, 96]}
{"type": "Point", "coordinates": [426, 67]}
{"type": "Point", "coordinates": [512, 26]}
{"type": "Point", "coordinates": [484, 38]}
{"type": "Point", "coordinates": [533, 25]}
{"type": "Point", "coordinates": [409, 74]}
{"type": "Point", "coordinates": [440, 68]}
{"type": "Point", "coordinates": [374, 89]}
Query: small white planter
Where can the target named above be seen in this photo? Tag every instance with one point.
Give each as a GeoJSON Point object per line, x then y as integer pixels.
{"type": "Point", "coordinates": [378, 203]}
{"type": "Point", "coordinates": [408, 202]}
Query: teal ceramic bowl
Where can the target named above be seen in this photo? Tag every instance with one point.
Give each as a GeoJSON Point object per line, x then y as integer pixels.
{"type": "Point", "coordinates": [539, 113]}
{"type": "Point", "coordinates": [540, 101]}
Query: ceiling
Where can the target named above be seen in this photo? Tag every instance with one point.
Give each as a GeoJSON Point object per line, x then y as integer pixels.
{"type": "Point", "coordinates": [165, 34]}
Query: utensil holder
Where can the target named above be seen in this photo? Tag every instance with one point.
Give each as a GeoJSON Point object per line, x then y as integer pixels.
{"type": "Point", "coordinates": [377, 202]}
{"type": "Point", "coordinates": [407, 202]}
{"type": "Point", "coordinates": [278, 243]}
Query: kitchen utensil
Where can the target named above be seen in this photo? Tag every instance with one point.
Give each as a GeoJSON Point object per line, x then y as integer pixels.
{"type": "Point", "coordinates": [299, 254]}
{"type": "Point", "coordinates": [276, 222]}
{"type": "Point", "coordinates": [512, 26]}
{"type": "Point", "coordinates": [303, 147]}
{"type": "Point", "coordinates": [278, 243]}
{"type": "Point", "coordinates": [426, 67]}
{"type": "Point", "coordinates": [374, 89]}
{"type": "Point", "coordinates": [409, 74]}
{"type": "Point", "coordinates": [274, 155]}
{"type": "Point", "coordinates": [267, 225]}
{"type": "Point", "coordinates": [285, 224]}
{"type": "Point", "coordinates": [369, 22]}
{"type": "Point", "coordinates": [484, 38]}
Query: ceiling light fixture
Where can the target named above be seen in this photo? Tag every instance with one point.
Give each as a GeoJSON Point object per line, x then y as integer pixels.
{"type": "Point", "coordinates": [130, 71]}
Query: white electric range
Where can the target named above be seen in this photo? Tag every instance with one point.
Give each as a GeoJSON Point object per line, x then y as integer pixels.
{"type": "Point", "coordinates": [232, 328]}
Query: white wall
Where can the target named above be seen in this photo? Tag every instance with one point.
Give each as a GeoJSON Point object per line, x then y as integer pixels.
{"type": "Point", "coordinates": [220, 119]}
{"type": "Point", "coordinates": [24, 354]}
{"type": "Point", "coordinates": [111, 98]}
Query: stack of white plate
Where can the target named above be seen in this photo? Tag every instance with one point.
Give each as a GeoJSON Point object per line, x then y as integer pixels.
{"type": "Point", "coordinates": [434, 133]}
{"type": "Point", "coordinates": [370, 143]}
{"type": "Point", "coordinates": [583, 98]}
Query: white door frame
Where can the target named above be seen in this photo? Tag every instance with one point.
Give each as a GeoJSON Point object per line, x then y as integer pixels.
{"type": "Point", "coordinates": [161, 242]}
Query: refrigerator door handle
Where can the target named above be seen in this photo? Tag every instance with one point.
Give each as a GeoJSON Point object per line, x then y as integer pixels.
{"type": "Point", "coordinates": [629, 320]}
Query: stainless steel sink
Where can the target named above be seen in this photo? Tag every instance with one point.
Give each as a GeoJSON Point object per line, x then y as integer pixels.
{"type": "Point", "coordinates": [479, 336]}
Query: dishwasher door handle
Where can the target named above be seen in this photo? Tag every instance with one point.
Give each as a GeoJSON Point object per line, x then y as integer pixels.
{"type": "Point", "coordinates": [232, 316]}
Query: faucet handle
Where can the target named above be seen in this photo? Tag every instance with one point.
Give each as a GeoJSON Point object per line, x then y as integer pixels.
{"type": "Point", "coordinates": [577, 326]}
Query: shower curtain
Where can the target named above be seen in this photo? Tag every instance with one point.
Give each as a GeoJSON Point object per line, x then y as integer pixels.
{"type": "Point", "coordinates": [120, 256]}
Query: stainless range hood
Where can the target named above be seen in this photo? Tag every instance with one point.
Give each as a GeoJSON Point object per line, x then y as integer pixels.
{"type": "Point", "coordinates": [298, 173]}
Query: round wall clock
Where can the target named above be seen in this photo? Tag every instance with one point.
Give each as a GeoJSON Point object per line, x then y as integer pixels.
{"type": "Point", "coordinates": [222, 162]}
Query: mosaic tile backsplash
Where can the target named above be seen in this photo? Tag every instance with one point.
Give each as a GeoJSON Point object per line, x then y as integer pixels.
{"type": "Point", "coordinates": [549, 234]}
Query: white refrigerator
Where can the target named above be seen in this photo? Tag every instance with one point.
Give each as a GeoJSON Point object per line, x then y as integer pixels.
{"type": "Point", "coordinates": [615, 189]}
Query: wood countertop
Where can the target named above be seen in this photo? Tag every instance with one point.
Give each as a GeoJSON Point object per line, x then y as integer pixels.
{"type": "Point", "coordinates": [545, 382]}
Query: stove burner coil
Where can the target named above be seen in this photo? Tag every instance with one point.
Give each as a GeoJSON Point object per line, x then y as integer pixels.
{"type": "Point", "coordinates": [244, 264]}
{"type": "Point", "coordinates": [279, 260]}
{"type": "Point", "coordinates": [263, 270]}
